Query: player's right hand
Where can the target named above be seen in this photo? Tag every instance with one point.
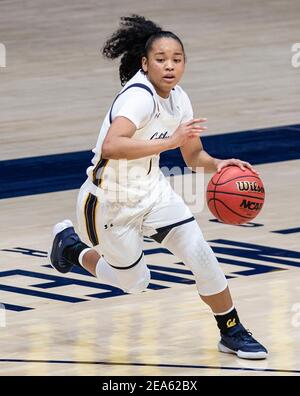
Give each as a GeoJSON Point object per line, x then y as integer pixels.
{"type": "Point", "coordinates": [186, 131]}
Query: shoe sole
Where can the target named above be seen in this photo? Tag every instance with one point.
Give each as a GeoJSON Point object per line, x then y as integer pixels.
{"type": "Point", "coordinates": [243, 355]}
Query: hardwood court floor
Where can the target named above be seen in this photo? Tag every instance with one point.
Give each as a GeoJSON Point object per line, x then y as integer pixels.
{"type": "Point", "coordinates": [160, 332]}
{"type": "Point", "coordinates": [56, 87]}
{"type": "Point", "coordinates": [54, 93]}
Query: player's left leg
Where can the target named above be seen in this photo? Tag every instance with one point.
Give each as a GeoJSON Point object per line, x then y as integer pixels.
{"type": "Point", "coordinates": [187, 243]}
{"type": "Point", "coordinates": [183, 237]}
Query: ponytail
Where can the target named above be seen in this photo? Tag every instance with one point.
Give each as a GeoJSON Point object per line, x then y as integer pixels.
{"type": "Point", "coordinates": [132, 41]}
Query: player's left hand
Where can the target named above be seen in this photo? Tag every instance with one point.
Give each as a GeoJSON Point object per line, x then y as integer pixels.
{"type": "Point", "coordinates": [220, 164]}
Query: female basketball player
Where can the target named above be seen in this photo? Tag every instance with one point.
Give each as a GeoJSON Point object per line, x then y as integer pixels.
{"type": "Point", "coordinates": [126, 195]}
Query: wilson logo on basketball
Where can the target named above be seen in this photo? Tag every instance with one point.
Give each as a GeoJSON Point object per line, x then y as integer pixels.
{"type": "Point", "coordinates": [235, 196]}
{"type": "Point", "coordinates": [251, 205]}
{"type": "Point", "coordinates": [249, 186]}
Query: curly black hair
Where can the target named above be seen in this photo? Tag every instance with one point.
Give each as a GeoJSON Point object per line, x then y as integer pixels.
{"type": "Point", "coordinates": [133, 40]}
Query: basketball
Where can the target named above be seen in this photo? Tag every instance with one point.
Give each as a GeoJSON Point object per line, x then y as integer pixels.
{"type": "Point", "coordinates": [235, 196]}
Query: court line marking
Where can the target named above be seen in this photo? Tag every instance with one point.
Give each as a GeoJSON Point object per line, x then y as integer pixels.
{"type": "Point", "coordinates": [67, 171]}
{"type": "Point", "coordinates": [164, 365]}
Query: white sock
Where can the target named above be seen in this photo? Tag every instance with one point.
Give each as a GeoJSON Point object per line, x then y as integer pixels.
{"type": "Point", "coordinates": [80, 258]}
{"type": "Point", "coordinates": [224, 313]}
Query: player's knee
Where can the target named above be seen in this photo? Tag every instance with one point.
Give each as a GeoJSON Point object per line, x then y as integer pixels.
{"type": "Point", "coordinates": [188, 244]}
{"type": "Point", "coordinates": [209, 276]}
{"type": "Point", "coordinates": [203, 258]}
{"type": "Point", "coordinates": [137, 285]}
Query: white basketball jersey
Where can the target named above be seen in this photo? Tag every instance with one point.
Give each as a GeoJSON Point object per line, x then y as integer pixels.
{"type": "Point", "coordinates": [139, 176]}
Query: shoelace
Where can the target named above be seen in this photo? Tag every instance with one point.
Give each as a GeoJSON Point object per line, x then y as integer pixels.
{"type": "Point", "coordinates": [244, 335]}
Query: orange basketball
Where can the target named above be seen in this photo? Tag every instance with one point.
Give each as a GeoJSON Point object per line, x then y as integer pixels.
{"type": "Point", "coordinates": [235, 196]}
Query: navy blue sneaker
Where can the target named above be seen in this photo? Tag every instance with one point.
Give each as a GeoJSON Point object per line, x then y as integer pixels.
{"type": "Point", "coordinates": [240, 341]}
{"type": "Point", "coordinates": [64, 235]}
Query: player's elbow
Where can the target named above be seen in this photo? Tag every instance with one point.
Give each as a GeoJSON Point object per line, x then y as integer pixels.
{"type": "Point", "coordinates": [106, 149]}
{"type": "Point", "coordinates": [109, 149]}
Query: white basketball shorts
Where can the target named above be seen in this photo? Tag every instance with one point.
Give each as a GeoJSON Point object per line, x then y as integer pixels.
{"type": "Point", "coordinates": [116, 230]}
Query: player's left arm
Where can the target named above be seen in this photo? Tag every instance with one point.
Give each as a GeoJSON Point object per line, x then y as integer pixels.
{"type": "Point", "coordinates": [196, 157]}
